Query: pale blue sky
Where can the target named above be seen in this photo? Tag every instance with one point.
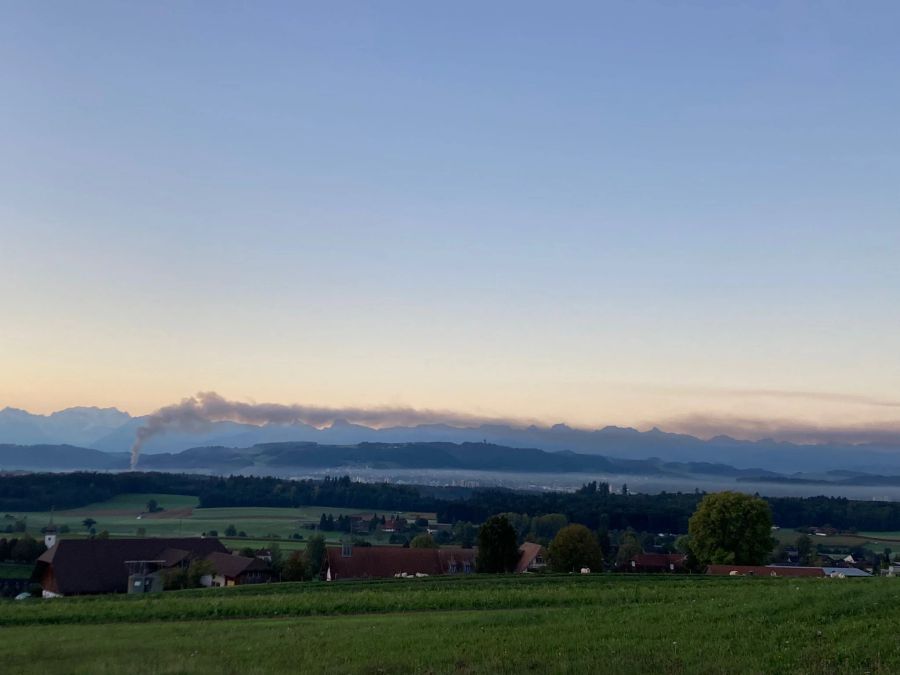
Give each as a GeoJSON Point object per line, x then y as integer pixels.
{"type": "Point", "coordinates": [592, 212]}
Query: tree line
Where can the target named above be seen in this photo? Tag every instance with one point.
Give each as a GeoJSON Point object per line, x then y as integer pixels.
{"type": "Point", "coordinates": [593, 505]}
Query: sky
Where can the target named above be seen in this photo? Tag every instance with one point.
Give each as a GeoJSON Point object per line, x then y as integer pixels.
{"type": "Point", "coordinates": [682, 214]}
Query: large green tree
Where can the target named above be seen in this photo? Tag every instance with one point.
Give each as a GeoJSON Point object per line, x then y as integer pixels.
{"type": "Point", "coordinates": [575, 547]}
{"type": "Point", "coordinates": [731, 528]}
{"type": "Point", "coordinates": [498, 550]}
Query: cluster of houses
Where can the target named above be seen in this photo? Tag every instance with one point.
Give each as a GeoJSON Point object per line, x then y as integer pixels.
{"type": "Point", "coordinates": [676, 562]}
{"type": "Point", "coordinates": [91, 566]}
{"type": "Point", "coordinates": [141, 565]}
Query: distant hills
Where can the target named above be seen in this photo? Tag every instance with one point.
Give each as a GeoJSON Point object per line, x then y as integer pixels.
{"type": "Point", "coordinates": [281, 458]}
{"type": "Point", "coordinates": [112, 431]}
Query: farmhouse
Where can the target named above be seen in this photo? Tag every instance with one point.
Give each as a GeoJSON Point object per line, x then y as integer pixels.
{"type": "Point", "coordinates": [532, 558]}
{"type": "Point", "coordinates": [382, 562]}
{"type": "Point", "coordinates": [657, 562]}
{"type": "Point", "coordinates": [237, 570]}
{"type": "Point", "coordinates": [89, 566]}
{"type": "Point", "coordinates": [845, 572]}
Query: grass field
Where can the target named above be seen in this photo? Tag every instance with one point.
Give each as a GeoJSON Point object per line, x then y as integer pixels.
{"type": "Point", "coordinates": [875, 541]}
{"type": "Point", "coordinates": [601, 623]}
{"type": "Point", "coordinates": [125, 515]}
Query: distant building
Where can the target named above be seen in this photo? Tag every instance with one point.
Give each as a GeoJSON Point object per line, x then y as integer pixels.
{"type": "Point", "coordinates": [532, 558]}
{"type": "Point", "coordinates": [845, 572]}
{"type": "Point", "coordinates": [90, 566]}
{"type": "Point", "coordinates": [657, 562]}
{"type": "Point", "coordinates": [394, 525]}
{"type": "Point", "coordinates": [382, 562]}
{"type": "Point", "coordinates": [237, 570]}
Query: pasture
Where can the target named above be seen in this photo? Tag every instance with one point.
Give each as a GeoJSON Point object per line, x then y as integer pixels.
{"type": "Point", "coordinates": [126, 516]}
{"type": "Point", "coordinates": [595, 623]}
{"type": "Point", "coordinates": [875, 541]}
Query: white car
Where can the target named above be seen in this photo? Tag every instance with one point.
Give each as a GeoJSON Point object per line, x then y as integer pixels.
{"type": "Point", "coordinates": [23, 596]}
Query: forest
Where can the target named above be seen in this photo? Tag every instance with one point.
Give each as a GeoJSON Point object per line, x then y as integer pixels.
{"type": "Point", "coordinates": [593, 505]}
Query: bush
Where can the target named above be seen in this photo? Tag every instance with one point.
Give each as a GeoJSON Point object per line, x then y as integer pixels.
{"type": "Point", "coordinates": [423, 541]}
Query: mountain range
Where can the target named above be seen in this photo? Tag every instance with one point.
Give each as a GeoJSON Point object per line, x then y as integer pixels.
{"type": "Point", "coordinates": [109, 430]}
{"type": "Point", "coordinates": [464, 458]}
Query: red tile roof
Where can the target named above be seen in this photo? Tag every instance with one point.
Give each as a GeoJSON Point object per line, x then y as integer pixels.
{"type": "Point", "coordinates": [527, 553]}
{"type": "Point", "coordinates": [373, 562]}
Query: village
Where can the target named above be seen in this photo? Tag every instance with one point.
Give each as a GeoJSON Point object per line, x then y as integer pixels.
{"type": "Point", "coordinates": [98, 565]}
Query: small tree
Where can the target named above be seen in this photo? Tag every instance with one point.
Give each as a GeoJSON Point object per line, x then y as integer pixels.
{"type": "Point", "coordinates": [175, 578]}
{"type": "Point", "coordinates": [231, 531]}
{"type": "Point", "coordinates": [575, 547]}
{"type": "Point", "coordinates": [498, 550]}
{"type": "Point", "coordinates": [27, 549]}
{"type": "Point", "coordinates": [804, 549]}
{"type": "Point", "coordinates": [423, 541]}
{"type": "Point", "coordinates": [178, 578]}
{"type": "Point", "coordinates": [315, 555]}
{"type": "Point", "coordinates": [731, 528]}
{"type": "Point", "coordinates": [153, 506]}
{"type": "Point", "coordinates": [88, 523]}
{"type": "Point", "coordinates": [295, 568]}
{"type": "Point", "coordinates": [197, 570]}
{"type": "Point", "coordinates": [277, 557]}
{"type": "Point", "coordinates": [629, 546]}
{"type": "Point", "coordinates": [465, 533]}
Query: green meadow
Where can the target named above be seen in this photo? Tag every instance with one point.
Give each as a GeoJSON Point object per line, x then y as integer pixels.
{"type": "Point", "coordinates": [125, 516]}
{"type": "Point", "coordinates": [557, 624]}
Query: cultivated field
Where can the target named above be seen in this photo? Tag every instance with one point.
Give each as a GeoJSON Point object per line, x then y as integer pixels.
{"type": "Point", "coordinates": [125, 515]}
{"type": "Point", "coordinates": [601, 623]}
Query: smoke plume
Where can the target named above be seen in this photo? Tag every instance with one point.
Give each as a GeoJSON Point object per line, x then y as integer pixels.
{"type": "Point", "coordinates": [196, 413]}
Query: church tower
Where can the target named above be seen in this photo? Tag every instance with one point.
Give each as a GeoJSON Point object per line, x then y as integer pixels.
{"type": "Point", "coordinates": [50, 533]}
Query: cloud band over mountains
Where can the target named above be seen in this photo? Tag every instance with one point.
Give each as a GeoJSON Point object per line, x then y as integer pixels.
{"type": "Point", "coordinates": [197, 412]}
{"type": "Point", "coordinates": [788, 430]}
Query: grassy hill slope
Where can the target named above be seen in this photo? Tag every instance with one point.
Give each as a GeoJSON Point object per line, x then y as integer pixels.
{"type": "Point", "coordinates": [465, 625]}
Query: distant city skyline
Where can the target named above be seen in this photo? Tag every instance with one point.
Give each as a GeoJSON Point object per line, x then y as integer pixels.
{"type": "Point", "coordinates": [642, 214]}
